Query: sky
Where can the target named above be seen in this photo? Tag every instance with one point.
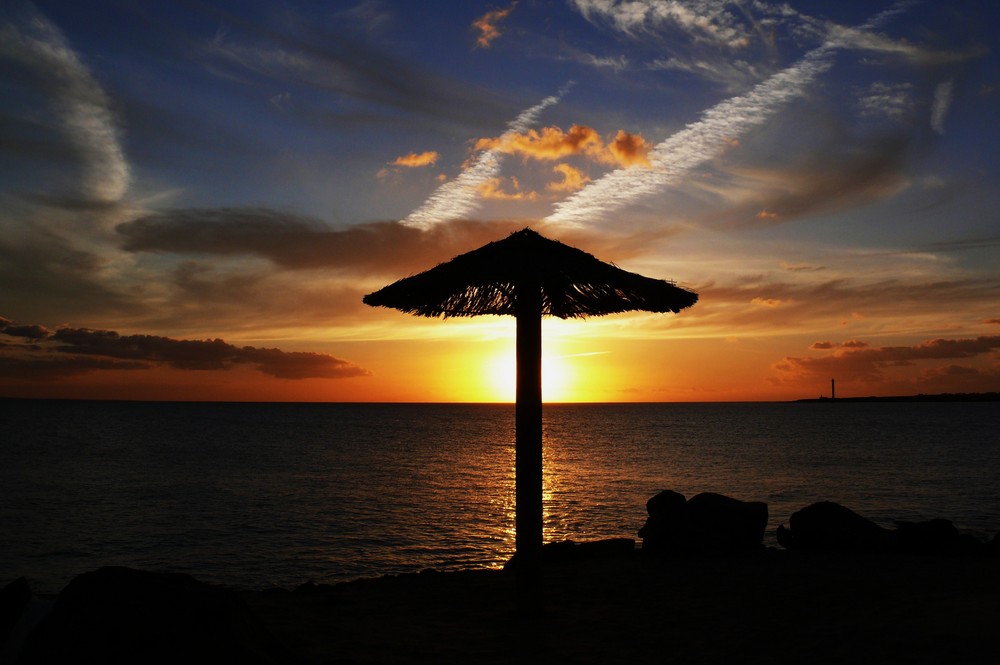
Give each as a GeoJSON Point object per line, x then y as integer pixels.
{"type": "Point", "coordinates": [195, 196]}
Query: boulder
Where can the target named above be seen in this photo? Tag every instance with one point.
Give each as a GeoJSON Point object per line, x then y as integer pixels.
{"type": "Point", "coordinates": [931, 536]}
{"type": "Point", "coordinates": [937, 536]}
{"type": "Point", "coordinates": [121, 615]}
{"type": "Point", "coordinates": [720, 522]}
{"type": "Point", "coordinates": [14, 599]}
{"type": "Point", "coordinates": [707, 523]}
{"type": "Point", "coordinates": [830, 526]}
{"type": "Point", "coordinates": [666, 521]}
{"type": "Point", "coordinates": [992, 547]}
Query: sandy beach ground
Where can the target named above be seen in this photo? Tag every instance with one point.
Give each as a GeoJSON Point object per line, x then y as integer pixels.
{"type": "Point", "coordinates": [769, 607]}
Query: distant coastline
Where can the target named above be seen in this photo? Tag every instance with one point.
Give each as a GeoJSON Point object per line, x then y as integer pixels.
{"type": "Point", "coordinates": [942, 397]}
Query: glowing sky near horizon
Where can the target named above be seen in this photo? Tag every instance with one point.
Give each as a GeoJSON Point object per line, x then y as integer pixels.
{"type": "Point", "coordinates": [197, 196]}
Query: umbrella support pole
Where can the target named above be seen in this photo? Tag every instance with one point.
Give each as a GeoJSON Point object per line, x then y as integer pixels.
{"type": "Point", "coordinates": [528, 511]}
{"type": "Point", "coordinates": [528, 442]}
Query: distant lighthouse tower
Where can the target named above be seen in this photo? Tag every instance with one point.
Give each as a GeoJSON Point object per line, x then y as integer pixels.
{"type": "Point", "coordinates": [833, 389]}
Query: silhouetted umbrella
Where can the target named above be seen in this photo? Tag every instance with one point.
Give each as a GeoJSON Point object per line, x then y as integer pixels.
{"type": "Point", "coordinates": [528, 276]}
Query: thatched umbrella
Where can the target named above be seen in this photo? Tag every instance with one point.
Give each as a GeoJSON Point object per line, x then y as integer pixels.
{"type": "Point", "coordinates": [528, 276]}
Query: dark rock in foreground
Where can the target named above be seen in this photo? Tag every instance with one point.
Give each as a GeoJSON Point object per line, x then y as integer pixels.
{"type": "Point", "coordinates": [120, 615]}
{"type": "Point", "coordinates": [707, 523]}
{"type": "Point", "coordinates": [14, 599]}
{"type": "Point", "coordinates": [774, 607]}
{"type": "Point", "coordinates": [830, 526]}
{"type": "Point", "coordinates": [935, 537]}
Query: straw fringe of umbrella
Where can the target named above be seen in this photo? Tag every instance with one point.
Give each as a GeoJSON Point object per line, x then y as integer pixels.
{"type": "Point", "coordinates": [574, 284]}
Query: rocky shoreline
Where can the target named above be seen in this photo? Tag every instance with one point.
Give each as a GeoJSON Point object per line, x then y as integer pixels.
{"type": "Point", "coordinates": [701, 589]}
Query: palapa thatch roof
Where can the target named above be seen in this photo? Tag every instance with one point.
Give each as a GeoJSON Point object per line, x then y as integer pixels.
{"type": "Point", "coordinates": [574, 284]}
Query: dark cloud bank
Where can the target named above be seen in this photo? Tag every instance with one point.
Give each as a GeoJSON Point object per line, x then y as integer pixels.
{"type": "Point", "coordinates": [297, 242]}
{"type": "Point", "coordinates": [855, 360]}
{"type": "Point", "coordinates": [68, 351]}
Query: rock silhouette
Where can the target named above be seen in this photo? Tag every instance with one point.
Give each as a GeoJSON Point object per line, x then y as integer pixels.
{"type": "Point", "coordinates": [14, 599]}
{"type": "Point", "coordinates": [827, 525]}
{"type": "Point", "coordinates": [707, 523]}
{"type": "Point", "coordinates": [936, 536]}
{"type": "Point", "coordinates": [121, 615]}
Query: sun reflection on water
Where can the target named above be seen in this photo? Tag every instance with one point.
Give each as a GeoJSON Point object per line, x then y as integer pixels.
{"type": "Point", "coordinates": [272, 495]}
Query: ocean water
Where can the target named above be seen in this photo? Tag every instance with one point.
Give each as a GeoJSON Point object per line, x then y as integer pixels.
{"type": "Point", "coordinates": [257, 495]}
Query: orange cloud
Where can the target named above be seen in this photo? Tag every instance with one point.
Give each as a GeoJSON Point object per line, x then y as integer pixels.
{"type": "Point", "coordinates": [766, 302]}
{"type": "Point", "coordinates": [767, 215]}
{"type": "Point", "coordinates": [415, 160]}
{"type": "Point", "coordinates": [553, 143]}
{"type": "Point", "coordinates": [487, 25]}
{"type": "Point", "coordinates": [493, 189]}
{"type": "Point", "coordinates": [548, 144]}
{"type": "Point", "coordinates": [629, 149]}
{"type": "Point", "coordinates": [572, 179]}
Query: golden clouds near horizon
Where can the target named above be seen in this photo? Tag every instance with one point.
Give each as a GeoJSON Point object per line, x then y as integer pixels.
{"type": "Point", "coordinates": [552, 143]}
{"type": "Point", "coordinates": [494, 189]}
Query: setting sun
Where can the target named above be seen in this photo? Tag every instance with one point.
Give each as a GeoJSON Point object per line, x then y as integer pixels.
{"type": "Point", "coordinates": [559, 378]}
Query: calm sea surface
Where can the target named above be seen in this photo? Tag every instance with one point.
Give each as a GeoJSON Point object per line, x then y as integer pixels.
{"type": "Point", "coordinates": [256, 495]}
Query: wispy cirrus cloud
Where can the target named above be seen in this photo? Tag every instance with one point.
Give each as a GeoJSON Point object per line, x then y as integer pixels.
{"type": "Point", "coordinates": [943, 95]}
{"type": "Point", "coordinates": [702, 20]}
{"type": "Point", "coordinates": [727, 44]}
{"type": "Point", "coordinates": [893, 100]}
{"type": "Point", "coordinates": [82, 107]}
{"type": "Point", "coordinates": [732, 75]}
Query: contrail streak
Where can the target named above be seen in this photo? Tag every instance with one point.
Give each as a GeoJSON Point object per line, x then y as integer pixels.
{"type": "Point", "coordinates": [702, 140]}
{"type": "Point", "coordinates": [460, 196]}
{"type": "Point", "coordinates": [694, 145]}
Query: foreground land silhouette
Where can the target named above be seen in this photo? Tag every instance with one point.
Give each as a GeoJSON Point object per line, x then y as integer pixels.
{"type": "Point", "coordinates": [702, 589]}
{"type": "Point", "coordinates": [772, 606]}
